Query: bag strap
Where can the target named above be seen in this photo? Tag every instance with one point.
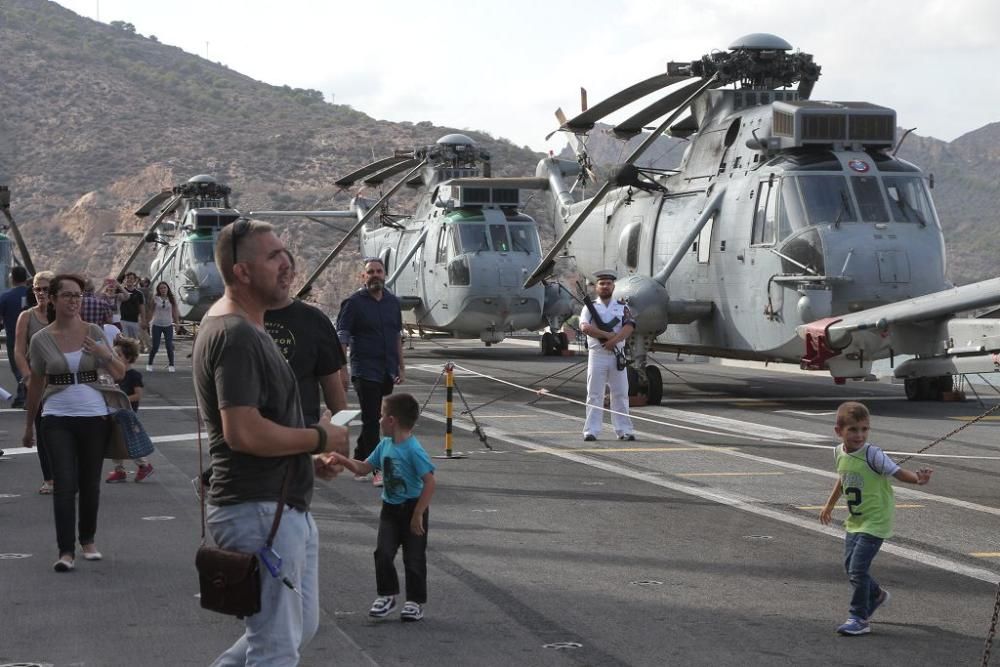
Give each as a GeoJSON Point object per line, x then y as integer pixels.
{"type": "Point", "coordinates": [201, 485]}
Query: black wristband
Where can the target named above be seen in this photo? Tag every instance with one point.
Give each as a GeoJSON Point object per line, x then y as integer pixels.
{"type": "Point", "coordinates": [321, 446]}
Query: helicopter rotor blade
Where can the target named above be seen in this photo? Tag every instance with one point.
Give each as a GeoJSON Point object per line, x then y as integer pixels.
{"type": "Point", "coordinates": [167, 210]}
{"type": "Point", "coordinates": [153, 202]}
{"type": "Point", "coordinates": [354, 230]}
{"type": "Point", "coordinates": [545, 265]}
{"type": "Point", "coordinates": [18, 239]}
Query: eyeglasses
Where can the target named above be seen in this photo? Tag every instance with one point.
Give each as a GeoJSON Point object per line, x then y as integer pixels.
{"type": "Point", "coordinates": [39, 290]}
{"type": "Point", "coordinates": [70, 296]}
{"type": "Point", "coordinates": [240, 228]}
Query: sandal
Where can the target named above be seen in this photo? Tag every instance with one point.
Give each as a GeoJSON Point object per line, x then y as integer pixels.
{"type": "Point", "coordinates": [45, 489]}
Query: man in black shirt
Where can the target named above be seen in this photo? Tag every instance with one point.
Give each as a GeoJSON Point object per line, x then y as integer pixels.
{"type": "Point", "coordinates": [132, 309]}
{"type": "Point", "coordinates": [249, 401]}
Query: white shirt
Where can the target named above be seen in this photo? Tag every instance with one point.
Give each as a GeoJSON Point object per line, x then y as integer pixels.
{"type": "Point", "coordinates": [77, 400]}
{"type": "Point", "coordinates": [607, 313]}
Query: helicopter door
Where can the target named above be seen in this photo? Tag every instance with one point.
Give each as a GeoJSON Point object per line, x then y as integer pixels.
{"type": "Point", "coordinates": [763, 219]}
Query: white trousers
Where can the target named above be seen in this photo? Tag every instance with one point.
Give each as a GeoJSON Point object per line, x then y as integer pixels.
{"type": "Point", "coordinates": [602, 371]}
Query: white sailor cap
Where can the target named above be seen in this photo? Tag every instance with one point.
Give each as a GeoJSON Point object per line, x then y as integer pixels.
{"type": "Point", "coordinates": [605, 273]}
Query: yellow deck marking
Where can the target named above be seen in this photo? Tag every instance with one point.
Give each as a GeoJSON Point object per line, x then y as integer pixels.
{"type": "Point", "coordinates": [726, 474]}
{"type": "Point", "coordinates": [619, 449]}
{"type": "Point", "coordinates": [901, 506]}
{"type": "Point", "coordinates": [986, 554]}
{"type": "Point", "coordinates": [991, 418]}
{"type": "Point", "coordinates": [756, 403]}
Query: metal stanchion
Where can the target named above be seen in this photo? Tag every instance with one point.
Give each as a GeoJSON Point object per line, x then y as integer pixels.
{"type": "Point", "coordinates": [449, 383]}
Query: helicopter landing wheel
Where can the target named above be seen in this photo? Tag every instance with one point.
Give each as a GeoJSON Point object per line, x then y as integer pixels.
{"type": "Point", "coordinates": [548, 343]}
{"type": "Point", "coordinates": [928, 389]}
{"type": "Point", "coordinates": [562, 342]}
{"type": "Point", "coordinates": [916, 389]}
{"type": "Point", "coordinates": [654, 391]}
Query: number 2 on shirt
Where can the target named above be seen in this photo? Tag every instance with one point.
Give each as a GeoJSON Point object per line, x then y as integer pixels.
{"type": "Point", "coordinates": [853, 495]}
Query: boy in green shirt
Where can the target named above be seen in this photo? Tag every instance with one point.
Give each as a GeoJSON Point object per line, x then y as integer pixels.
{"type": "Point", "coordinates": [863, 478]}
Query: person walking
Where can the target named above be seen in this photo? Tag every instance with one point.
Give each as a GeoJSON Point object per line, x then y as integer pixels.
{"type": "Point", "coordinates": [607, 323]}
{"type": "Point", "coordinates": [133, 307]}
{"type": "Point", "coordinates": [65, 357]}
{"type": "Point", "coordinates": [163, 317]}
{"type": "Point", "coordinates": [370, 326]}
{"type": "Point", "coordinates": [12, 303]}
{"type": "Point", "coordinates": [29, 323]}
{"type": "Point", "coordinates": [262, 452]}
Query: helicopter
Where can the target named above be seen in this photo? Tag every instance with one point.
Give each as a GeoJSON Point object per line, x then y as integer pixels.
{"type": "Point", "coordinates": [7, 257]}
{"type": "Point", "coordinates": [456, 262]}
{"type": "Point", "coordinates": [789, 232]}
{"type": "Point", "coordinates": [185, 257]}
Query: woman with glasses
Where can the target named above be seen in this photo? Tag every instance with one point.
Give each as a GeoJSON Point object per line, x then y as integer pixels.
{"type": "Point", "coordinates": [163, 316]}
{"type": "Point", "coordinates": [65, 357]}
{"type": "Point", "coordinates": [29, 323]}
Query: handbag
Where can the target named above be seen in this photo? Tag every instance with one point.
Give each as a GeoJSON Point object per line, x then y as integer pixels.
{"type": "Point", "coordinates": [229, 581]}
{"type": "Point", "coordinates": [127, 431]}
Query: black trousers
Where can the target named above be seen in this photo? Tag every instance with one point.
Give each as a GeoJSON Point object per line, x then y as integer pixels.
{"type": "Point", "coordinates": [370, 394]}
{"type": "Point", "coordinates": [76, 453]}
{"type": "Point", "coordinates": [393, 532]}
{"type": "Point", "coordinates": [43, 452]}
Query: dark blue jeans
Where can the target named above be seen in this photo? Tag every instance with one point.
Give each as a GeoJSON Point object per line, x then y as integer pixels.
{"type": "Point", "coordinates": [20, 393]}
{"type": "Point", "coordinates": [168, 334]}
{"type": "Point", "coordinates": [394, 532]}
{"type": "Point", "coordinates": [859, 552]}
{"type": "Point", "coordinates": [370, 394]}
{"type": "Point", "coordinates": [76, 453]}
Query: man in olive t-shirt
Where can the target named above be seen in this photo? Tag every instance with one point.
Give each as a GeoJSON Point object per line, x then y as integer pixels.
{"type": "Point", "coordinates": [250, 404]}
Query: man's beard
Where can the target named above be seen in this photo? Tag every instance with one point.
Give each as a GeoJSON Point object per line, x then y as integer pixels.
{"type": "Point", "coordinates": [375, 284]}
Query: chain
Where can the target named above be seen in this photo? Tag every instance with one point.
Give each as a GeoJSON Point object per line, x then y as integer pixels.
{"type": "Point", "coordinates": [957, 430]}
{"type": "Point", "coordinates": [993, 630]}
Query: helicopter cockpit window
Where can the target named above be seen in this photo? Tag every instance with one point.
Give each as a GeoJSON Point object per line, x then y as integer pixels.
{"type": "Point", "coordinates": [472, 238]}
{"type": "Point", "coordinates": [826, 199]}
{"type": "Point", "coordinates": [524, 238]}
{"type": "Point", "coordinates": [498, 235]}
{"type": "Point", "coordinates": [869, 195]}
{"type": "Point", "coordinates": [908, 200]}
{"type": "Point", "coordinates": [202, 252]}
{"type": "Point", "coordinates": [445, 242]}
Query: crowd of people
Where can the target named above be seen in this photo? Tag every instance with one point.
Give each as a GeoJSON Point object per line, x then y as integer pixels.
{"type": "Point", "coordinates": [269, 371]}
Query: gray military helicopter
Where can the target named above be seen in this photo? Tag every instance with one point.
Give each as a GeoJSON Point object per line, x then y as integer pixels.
{"type": "Point", "coordinates": [7, 257]}
{"type": "Point", "coordinates": [789, 232]}
{"type": "Point", "coordinates": [185, 242]}
{"type": "Point", "coordinates": [458, 260]}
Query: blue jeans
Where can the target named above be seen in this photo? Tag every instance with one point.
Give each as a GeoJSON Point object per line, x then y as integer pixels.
{"type": "Point", "coordinates": [286, 622]}
{"type": "Point", "coordinates": [859, 552]}
{"type": "Point", "coordinates": [168, 334]}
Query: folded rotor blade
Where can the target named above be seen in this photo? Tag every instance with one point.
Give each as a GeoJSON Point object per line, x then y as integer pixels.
{"type": "Point", "coordinates": [18, 239]}
{"type": "Point", "coordinates": [549, 260]}
{"type": "Point", "coordinates": [585, 121]}
{"type": "Point", "coordinates": [382, 175]}
{"type": "Point", "coordinates": [153, 202]}
{"type": "Point", "coordinates": [354, 230]}
{"type": "Point", "coordinates": [637, 122]}
{"type": "Point", "coordinates": [167, 210]}
{"type": "Point", "coordinates": [371, 168]}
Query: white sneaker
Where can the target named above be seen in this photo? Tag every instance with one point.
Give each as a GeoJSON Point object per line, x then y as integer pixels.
{"type": "Point", "coordinates": [149, 368]}
{"type": "Point", "coordinates": [171, 369]}
{"type": "Point", "coordinates": [382, 606]}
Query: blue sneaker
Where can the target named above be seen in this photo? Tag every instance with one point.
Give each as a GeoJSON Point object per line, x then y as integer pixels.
{"type": "Point", "coordinates": [884, 597]}
{"type": "Point", "coordinates": [854, 626]}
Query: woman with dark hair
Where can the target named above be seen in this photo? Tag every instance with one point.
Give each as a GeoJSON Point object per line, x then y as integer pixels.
{"type": "Point", "coordinates": [163, 315]}
{"type": "Point", "coordinates": [75, 426]}
{"type": "Point", "coordinates": [29, 323]}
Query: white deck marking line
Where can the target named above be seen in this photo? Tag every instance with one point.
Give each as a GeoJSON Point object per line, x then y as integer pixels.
{"type": "Point", "coordinates": [907, 506]}
{"type": "Point", "coordinates": [725, 474]}
{"type": "Point", "coordinates": [736, 425]}
{"type": "Point", "coordinates": [900, 490]}
{"type": "Point", "coordinates": [619, 450]}
{"type": "Point", "coordinates": [747, 504]}
{"type": "Point", "coordinates": [808, 413]}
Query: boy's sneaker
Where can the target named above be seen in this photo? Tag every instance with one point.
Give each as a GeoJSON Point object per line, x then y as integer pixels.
{"type": "Point", "coordinates": [411, 612]}
{"type": "Point", "coordinates": [362, 478]}
{"type": "Point", "coordinates": [116, 476]}
{"type": "Point", "coordinates": [149, 368]}
{"type": "Point", "coordinates": [143, 472]}
{"type": "Point", "coordinates": [883, 597]}
{"type": "Point", "coordinates": [171, 369]}
{"type": "Point", "coordinates": [377, 479]}
{"type": "Point", "coordinates": [382, 606]}
{"type": "Point", "coordinates": [854, 626]}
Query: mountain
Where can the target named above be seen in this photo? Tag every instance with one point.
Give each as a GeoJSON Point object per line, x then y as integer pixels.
{"type": "Point", "coordinates": [96, 118]}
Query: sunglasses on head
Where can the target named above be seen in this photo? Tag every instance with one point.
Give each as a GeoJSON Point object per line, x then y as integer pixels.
{"type": "Point", "coordinates": [240, 229]}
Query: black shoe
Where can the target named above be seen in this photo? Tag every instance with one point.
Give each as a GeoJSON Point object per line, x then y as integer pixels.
{"type": "Point", "coordinates": [589, 437]}
{"type": "Point", "coordinates": [17, 404]}
{"type": "Point", "coordinates": [628, 436]}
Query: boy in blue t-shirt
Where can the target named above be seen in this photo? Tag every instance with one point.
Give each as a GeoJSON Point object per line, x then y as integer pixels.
{"type": "Point", "coordinates": [408, 484]}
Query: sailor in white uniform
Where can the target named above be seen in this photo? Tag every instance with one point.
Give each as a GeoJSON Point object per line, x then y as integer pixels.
{"type": "Point", "coordinates": [602, 360]}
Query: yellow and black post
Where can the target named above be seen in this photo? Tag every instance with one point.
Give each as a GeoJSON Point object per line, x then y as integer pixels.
{"type": "Point", "coordinates": [449, 383]}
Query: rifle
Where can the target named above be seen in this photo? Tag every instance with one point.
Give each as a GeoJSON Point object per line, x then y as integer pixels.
{"type": "Point", "coordinates": [620, 361]}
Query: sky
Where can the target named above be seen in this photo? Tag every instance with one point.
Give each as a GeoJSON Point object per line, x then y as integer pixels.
{"type": "Point", "coordinates": [504, 67]}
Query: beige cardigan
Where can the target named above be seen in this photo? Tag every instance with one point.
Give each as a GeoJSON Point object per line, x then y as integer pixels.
{"type": "Point", "coordinates": [47, 359]}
